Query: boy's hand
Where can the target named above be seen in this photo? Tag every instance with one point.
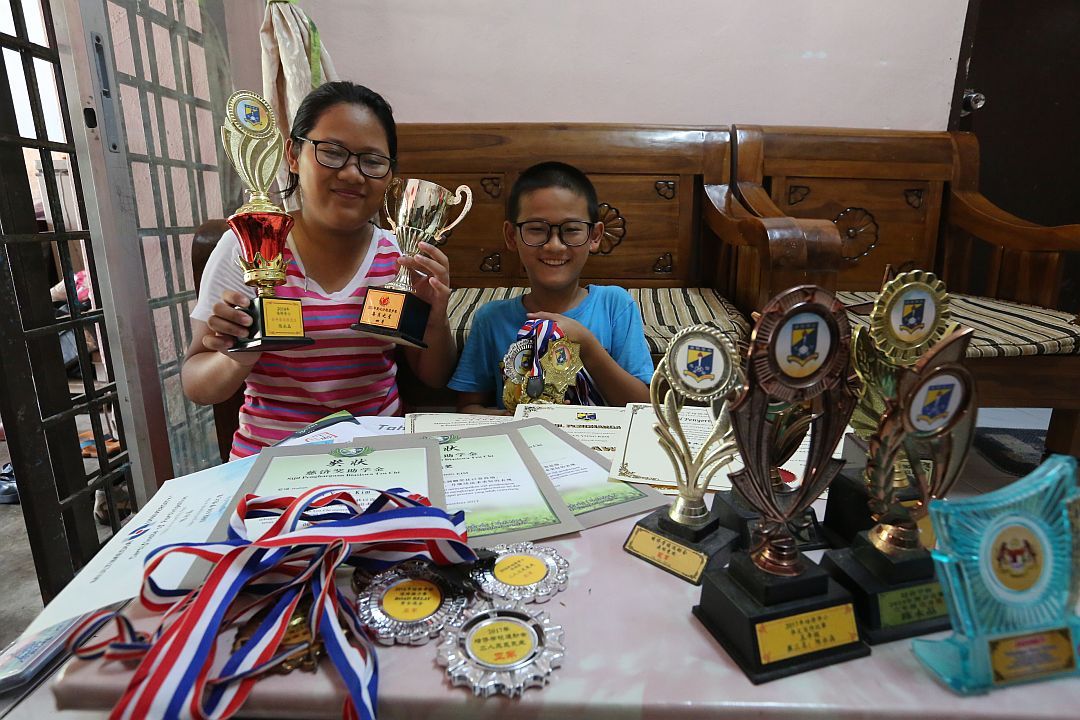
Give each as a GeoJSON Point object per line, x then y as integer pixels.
{"type": "Point", "coordinates": [431, 277]}
{"type": "Point", "coordinates": [573, 330]}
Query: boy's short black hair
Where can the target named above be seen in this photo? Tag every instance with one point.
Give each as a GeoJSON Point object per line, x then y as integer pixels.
{"type": "Point", "coordinates": [553, 174]}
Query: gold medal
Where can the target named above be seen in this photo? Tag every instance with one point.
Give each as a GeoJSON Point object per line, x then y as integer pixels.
{"type": "Point", "coordinates": [561, 365]}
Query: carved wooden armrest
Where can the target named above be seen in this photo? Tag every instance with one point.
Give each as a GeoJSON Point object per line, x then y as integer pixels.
{"type": "Point", "coordinates": [972, 212]}
{"type": "Point", "coordinates": [790, 251]}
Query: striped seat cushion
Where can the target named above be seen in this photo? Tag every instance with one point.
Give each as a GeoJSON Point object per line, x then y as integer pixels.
{"type": "Point", "coordinates": [664, 311]}
{"type": "Point", "coordinates": [1002, 328]}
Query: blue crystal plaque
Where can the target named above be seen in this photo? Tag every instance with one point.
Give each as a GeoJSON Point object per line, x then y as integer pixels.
{"type": "Point", "coordinates": [1007, 561]}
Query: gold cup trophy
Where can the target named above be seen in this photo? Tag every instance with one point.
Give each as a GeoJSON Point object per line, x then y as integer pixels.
{"type": "Point", "coordinates": [910, 316]}
{"type": "Point", "coordinates": [253, 144]}
{"type": "Point", "coordinates": [686, 538]}
{"type": "Point", "coordinates": [775, 612]}
{"type": "Point", "coordinates": [416, 211]}
{"type": "Point", "coordinates": [888, 569]}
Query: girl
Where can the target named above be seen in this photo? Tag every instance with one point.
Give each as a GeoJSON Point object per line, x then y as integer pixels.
{"type": "Point", "coordinates": [341, 154]}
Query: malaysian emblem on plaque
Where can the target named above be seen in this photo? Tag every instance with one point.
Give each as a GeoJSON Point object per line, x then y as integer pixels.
{"type": "Point", "coordinates": [1009, 563]}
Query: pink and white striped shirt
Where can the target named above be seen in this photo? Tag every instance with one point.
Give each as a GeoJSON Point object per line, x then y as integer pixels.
{"type": "Point", "coordinates": [341, 370]}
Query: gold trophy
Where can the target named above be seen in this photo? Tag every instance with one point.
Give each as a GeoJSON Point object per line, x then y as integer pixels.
{"type": "Point", "coordinates": [253, 144]}
{"type": "Point", "coordinates": [416, 211]}
{"type": "Point", "coordinates": [775, 612]}
{"type": "Point", "coordinates": [910, 316]}
{"type": "Point", "coordinates": [888, 569]}
{"type": "Point", "coordinates": [686, 538]}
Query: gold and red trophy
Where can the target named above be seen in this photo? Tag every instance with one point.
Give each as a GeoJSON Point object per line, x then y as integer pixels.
{"type": "Point", "coordinates": [253, 143]}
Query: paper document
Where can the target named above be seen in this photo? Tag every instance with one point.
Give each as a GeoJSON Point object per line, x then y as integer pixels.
{"type": "Point", "coordinates": [600, 428]}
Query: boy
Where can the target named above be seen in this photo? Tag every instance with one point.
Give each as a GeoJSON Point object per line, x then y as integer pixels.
{"type": "Point", "coordinates": [553, 225]}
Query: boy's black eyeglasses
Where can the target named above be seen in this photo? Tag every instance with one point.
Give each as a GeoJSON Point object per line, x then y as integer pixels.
{"type": "Point", "coordinates": [536, 233]}
{"type": "Point", "coordinates": [335, 156]}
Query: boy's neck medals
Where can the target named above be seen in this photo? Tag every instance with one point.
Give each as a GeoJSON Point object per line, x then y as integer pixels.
{"type": "Point", "coordinates": [515, 367]}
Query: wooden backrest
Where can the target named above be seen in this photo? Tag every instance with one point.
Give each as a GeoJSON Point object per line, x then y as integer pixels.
{"type": "Point", "coordinates": [648, 179]}
{"type": "Point", "coordinates": [883, 189]}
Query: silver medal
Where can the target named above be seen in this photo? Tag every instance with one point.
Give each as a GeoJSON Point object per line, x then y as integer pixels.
{"type": "Point", "coordinates": [409, 604]}
{"type": "Point", "coordinates": [524, 572]}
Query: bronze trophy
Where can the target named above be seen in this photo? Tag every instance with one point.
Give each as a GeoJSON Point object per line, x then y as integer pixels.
{"type": "Point", "coordinates": [253, 144]}
{"type": "Point", "coordinates": [775, 612]}
{"type": "Point", "coordinates": [416, 211]}
{"type": "Point", "coordinates": [910, 316]}
{"type": "Point", "coordinates": [686, 538]}
{"type": "Point", "coordinates": [888, 569]}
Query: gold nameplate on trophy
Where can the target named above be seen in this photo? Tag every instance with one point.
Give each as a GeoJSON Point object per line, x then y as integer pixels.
{"type": "Point", "coordinates": [810, 632]}
{"type": "Point", "coordinates": [382, 308]}
{"type": "Point", "coordinates": [674, 557]}
{"type": "Point", "coordinates": [282, 318]}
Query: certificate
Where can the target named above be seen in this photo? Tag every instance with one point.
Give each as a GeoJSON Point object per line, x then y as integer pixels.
{"type": "Point", "coordinates": [580, 476]}
{"type": "Point", "coordinates": [600, 428]}
{"type": "Point", "coordinates": [381, 463]}
{"type": "Point", "coordinates": [433, 422]}
{"type": "Point", "coordinates": [640, 458]}
{"type": "Point", "coordinates": [490, 474]}
{"type": "Point", "coordinates": [188, 509]}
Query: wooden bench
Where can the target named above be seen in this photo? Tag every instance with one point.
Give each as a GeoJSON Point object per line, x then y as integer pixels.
{"type": "Point", "coordinates": [911, 200]}
{"type": "Point", "coordinates": [664, 199]}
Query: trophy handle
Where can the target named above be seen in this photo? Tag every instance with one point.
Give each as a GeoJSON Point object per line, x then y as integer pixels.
{"type": "Point", "coordinates": [461, 190]}
{"type": "Point", "coordinates": [386, 206]}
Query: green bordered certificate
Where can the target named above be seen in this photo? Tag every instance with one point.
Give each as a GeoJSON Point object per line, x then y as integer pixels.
{"type": "Point", "coordinates": [507, 497]}
{"type": "Point", "coordinates": [580, 475]}
{"type": "Point", "coordinates": [400, 461]}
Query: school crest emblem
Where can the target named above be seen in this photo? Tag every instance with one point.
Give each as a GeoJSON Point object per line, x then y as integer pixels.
{"type": "Point", "coordinates": [699, 363]}
{"type": "Point", "coordinates": [586, 416]}
{"type": "Point", "coordinates": [804, 338]}
{"type": "Point", "coordinates": [252, 114]}
{"type": "Point", "coordinates": [911, 315]}
{"type": "Point", "coordinates": [936, 404]}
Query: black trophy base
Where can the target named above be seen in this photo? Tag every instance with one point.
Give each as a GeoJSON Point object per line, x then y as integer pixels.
{"type": "Point", "coordinates": [736, 514]}
{"type": "Point", "coordinates": [817, 607]}
{"type": "Point", "coordinates": [277, 324]}
{"type": "Point", "coordinates": [847, 509]}
{"type": "Point", "coordinates": [685, 552]}
{"type": "Point", "coordinates": [395, 316]}
{"type": "Point", "coordinates": [895, 597]}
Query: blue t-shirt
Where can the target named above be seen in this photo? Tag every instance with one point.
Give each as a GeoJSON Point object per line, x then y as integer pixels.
{"type": "Point", "coordinates": [608, 312]}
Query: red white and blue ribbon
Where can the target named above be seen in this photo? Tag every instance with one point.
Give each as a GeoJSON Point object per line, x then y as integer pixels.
{"type": "Point", "coordinates": [584, 390]}
{"type": "Point", "coordinates": [187, 668]}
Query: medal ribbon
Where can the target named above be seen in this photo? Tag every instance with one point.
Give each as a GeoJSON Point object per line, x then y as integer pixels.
{"type": "Point", "coordinates": [187, 668]}
{"type": "Point", "coordinates": [584, 391]}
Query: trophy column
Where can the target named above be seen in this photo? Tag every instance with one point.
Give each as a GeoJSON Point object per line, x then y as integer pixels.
{"type": "Point", "coordinates": [416, 211]}
{"type": "Point", "coordinates": [888, 569]}
{"type": "Point", "coordinates": [910, 316]}
{"type": "Point", "coordinates": [686, 538]}
{"type": "Point", "coordinates": [774, 611]}
{"type": "Point", "coordinates": [253, 144]}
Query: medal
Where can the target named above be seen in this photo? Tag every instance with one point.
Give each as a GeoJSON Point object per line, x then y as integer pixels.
{"type": "Point", "coordinates": [409, 604]}
{"type": "Point", "coordinates": [515, 368]}
{"type": "Point", "coordinates": [524, 572]}
{"type": "Point", "coordinates": [501, 648]}
{"type": "Point", "coordinates": [561, 364]}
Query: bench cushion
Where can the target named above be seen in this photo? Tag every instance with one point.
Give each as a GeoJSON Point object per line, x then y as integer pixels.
{"type": "Point", "coordinates": [1002, 328]}
{"type": "Point", "coordinates": [664, 311]}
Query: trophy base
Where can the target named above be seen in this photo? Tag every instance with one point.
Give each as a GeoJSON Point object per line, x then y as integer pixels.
{"type": "Point", "coordinates": [847, 511]}
{"type": "Point", "coordinates": [736, 514]}
{"type": "Point", "coordinates": [278, 324]}
{"type": "Point", "coordinates": [395, 316]}
{"type": "Point", "coordinates": [774, 626]}
{"type": "Point", "coordinates": [895, 597]}
{"type": "Point", "coordinates": [683, 551]}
